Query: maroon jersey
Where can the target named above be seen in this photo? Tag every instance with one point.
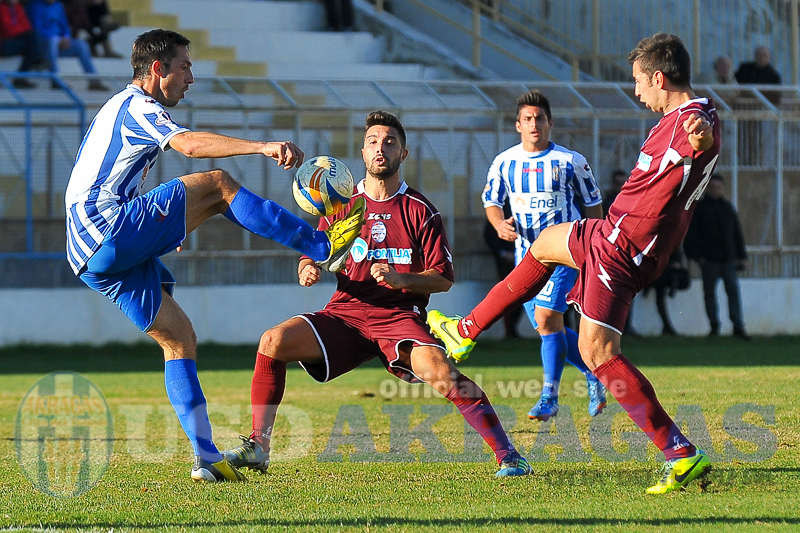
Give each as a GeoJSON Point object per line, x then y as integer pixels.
{"type": "Point", "coordinates": [405, 231]}
{"type": "Point", "coordinates": [651, 214]}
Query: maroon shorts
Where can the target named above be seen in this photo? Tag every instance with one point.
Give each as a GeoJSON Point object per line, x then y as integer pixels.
{"type": "Point", "coordinates": [609, 278]}
{"type": "Point", "coordinates": [350, 335]}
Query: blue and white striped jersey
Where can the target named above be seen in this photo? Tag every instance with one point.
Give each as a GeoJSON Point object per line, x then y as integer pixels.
{"type": "Point", "coordinates": [121, 145]}
{"type": "Point", "coordinates": [544, 188]}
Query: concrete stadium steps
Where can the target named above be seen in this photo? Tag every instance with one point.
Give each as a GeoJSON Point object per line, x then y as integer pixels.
{"type": "Point", "coordinates": [275, 39]}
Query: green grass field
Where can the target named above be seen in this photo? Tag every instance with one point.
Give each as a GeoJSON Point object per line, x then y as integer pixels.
{"type": "Point", "coordinates": [739, 399]}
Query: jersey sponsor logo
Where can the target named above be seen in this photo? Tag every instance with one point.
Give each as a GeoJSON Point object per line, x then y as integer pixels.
{"type": "Point", "coordinates": [398, 256]}
{"type": "Point", "coordinates": [359, 250]}
{"type": "Point", "coordinates": [379, 216]}
{"type": "Point", "coordinates": [378, 231]}
{"type": "Point", "coordinates": [528, 170]}
{"type": "Point", "coordinates": [644, 162]}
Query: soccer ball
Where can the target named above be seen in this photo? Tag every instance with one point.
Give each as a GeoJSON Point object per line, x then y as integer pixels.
{"type": "Point", "coordinates": [322, 186]}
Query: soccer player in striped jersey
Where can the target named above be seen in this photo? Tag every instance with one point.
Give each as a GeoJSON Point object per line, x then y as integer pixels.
{"type": "Point", "coordinates": [116, 234]}
{"type": "Point", "coordinates": [546, 184]}
{"type": "Point", "coordinates": [623, 253]}
{"type": "Point", "coordinates": [378, 309]}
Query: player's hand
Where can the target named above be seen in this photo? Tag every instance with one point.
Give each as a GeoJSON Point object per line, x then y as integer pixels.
{"type": "Point", "coordinates": [385, 273]}
{"type": "Point", "coordinates": [309, 275]}
{"type": "Point", "coordinates": [699, 130]}
{"type": "Point", "coordinates": [285, 153]}
{"type": "Point", "coordinates": [506, 230]}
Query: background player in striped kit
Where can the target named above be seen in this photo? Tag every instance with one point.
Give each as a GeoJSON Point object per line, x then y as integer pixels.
{"type": "Point", "coordinates": [546, 184]}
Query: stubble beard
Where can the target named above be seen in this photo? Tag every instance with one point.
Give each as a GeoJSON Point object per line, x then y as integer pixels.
{"type": "Point", "coordinates": [383, 173]}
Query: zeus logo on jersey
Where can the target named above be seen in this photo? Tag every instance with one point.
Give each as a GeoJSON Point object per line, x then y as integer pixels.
{"type": "Point", "coordinates": [379, 216]}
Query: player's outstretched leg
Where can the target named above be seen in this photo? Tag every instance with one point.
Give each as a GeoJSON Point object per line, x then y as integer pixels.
{"type": "Point", "coordinates": [342, 234]}
{"type": "Point", "coordinates": [678, 473]}
{"type": "Point", "coordinates": [272, 221]}
{"type": "Point", "coordinates": [522, 284]}
{"type": "Point", "coordinates": [446, 329]}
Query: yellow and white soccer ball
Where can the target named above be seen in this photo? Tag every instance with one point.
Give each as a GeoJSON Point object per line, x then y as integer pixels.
{"type": "Point", "coordinates": [322, 186]}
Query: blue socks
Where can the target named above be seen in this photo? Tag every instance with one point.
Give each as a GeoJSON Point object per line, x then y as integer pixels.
{"type": "Point", "coordinates": [186, 397]}
{"type": "Point", "coordinates": [557, 347]}
{"type": "Point", "coordinates": [573, 354]}
{"type": "Point", "coordinates": [554, 351]}
{"type": "Point", "coordinates": [271, 221]}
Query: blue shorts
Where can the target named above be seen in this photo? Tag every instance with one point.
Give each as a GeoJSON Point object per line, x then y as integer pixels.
{"type": "Point", "coordinates": [554, 294]}
{"type": "Point", "coordinates": [126, 268]}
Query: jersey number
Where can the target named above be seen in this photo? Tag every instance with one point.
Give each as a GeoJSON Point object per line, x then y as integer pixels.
{"type": "Point", "coordinates": [698, 192]}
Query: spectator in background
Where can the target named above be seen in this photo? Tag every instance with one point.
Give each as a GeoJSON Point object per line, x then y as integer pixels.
{"type": "Point", "coordinates": [761, 71]}
{"type": "Point", "coordinates": [18, 39]}
{"type": "Point", "coordinates": [49, 21]}
{"type": "Point", "coordinates": [674, 278]}
{"type": "Point", "coordinates": [618, 179]}
{"type": "Point", "coordinates": [716, 241]}
{"type": "Point", "coordinates": [503, 253]}
{"type": "Point", "coordinates": [91, 20]}
{"type": "Point", "coordinates": [340, 14]}
{"type": "Point", "coordinates": [722, 73]}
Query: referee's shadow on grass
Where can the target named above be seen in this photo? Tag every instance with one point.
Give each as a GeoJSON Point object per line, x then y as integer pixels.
{"type": "Point", "coordinates": [646, 351]}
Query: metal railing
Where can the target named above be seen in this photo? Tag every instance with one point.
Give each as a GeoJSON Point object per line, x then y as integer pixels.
{"type": "Point", "coordinates": [454, 130]}
{"type": "Point", "coordinates": [596, 36]}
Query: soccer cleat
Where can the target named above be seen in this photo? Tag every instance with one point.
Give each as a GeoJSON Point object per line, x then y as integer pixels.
{"type": "Point", "coordinates": [248, 455]}
{"type": "Point", "coordinates": [597, 395]}
{"type": "Point", "coordinates": [342, 235]}
{"type": "Point", "coordinates": [514, 466]}
{"type": "Point", "coordinates": [221, 471]}
{"type": "Point", "coordinates": [678, 473]}
{"type": "Point", "coordinates": [446, 329]}
{"type": "Point", "coordinates": [546, 409]}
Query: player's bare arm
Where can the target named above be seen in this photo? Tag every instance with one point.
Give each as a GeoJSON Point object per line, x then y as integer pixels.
{"type": "Point", "coordinates": [701, 135]}
{"type": "Point", "coordinates": [308, 273]}
{"type": "Point", "coordinates": [504, 226]}
{"type": "Point", "coordinates": [425, 282]}
{"type": "Point", "coordinates": [200, 144]}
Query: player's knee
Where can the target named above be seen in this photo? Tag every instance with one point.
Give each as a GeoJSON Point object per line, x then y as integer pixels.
{"type": "Point", "coordinates": [271, 343]}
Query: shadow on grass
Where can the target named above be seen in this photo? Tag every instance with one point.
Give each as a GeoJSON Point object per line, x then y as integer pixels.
{"type": "Point", "coordinates": [461, 523]}
{"type": "Point", "coordinates": [646, 351]}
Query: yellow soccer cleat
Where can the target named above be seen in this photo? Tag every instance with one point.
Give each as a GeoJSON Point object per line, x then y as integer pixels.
{"type": "Point", "coordinates": [678, 473]}
{"type": "Point", "coordinates": [342, 235]}
{"type": "Point", "coordinates": [446, 328]}
{"type": "Point", "coordinates": [221, 471]}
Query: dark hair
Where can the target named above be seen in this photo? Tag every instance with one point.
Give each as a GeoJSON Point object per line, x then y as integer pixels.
{"type": "Point", "coordinates": [384, 118]}
{"type": "Point", "coordinates": [534, 98]}
{"type": "Point", "coordinates": [664, 52]}
{"type": "Point", "coordinates": [154, 45]}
